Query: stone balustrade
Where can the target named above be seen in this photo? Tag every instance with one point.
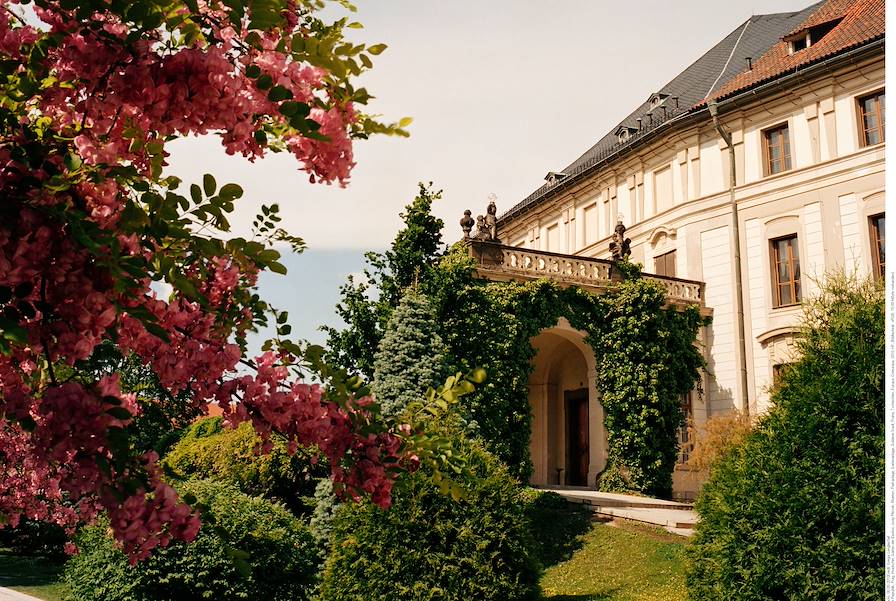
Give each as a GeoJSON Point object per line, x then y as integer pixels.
{"type": "Point", "coordinates": [498, 262]}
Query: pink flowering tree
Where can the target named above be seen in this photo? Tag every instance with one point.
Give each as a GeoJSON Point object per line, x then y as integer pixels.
{"type": "Point", "coordinates": [93, 91]}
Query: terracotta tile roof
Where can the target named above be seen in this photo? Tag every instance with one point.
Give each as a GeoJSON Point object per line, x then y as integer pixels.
{"type": "Point", "coordinates": [862, 21]}
{"type": "Point", "coordinates": [830, 11]}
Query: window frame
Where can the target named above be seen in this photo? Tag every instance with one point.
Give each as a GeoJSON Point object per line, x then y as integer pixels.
{"type": "Point", "coordinates": [796, 287]}
{"type": "Point", "coordinates": [665, 258]}
{"type": "Point", "coordinates": [877, 241]}
{"type": "Point", "coordinates": [778, 371]}
{"type": "Point", "coordinates": [786, 158]}
{"type": "Point", "coordinates": [879, 113]}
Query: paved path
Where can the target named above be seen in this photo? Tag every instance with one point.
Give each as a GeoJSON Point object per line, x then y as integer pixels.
{"type": "Point", "coordinates": [676, 517]}
{"type": "Point", "coordinates": [7, 594]}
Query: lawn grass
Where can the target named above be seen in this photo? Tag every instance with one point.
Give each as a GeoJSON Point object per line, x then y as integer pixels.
{"type": "Point", "coordinates": [621, 561]}
{"type": "Point", "coordinates": [36, 576]}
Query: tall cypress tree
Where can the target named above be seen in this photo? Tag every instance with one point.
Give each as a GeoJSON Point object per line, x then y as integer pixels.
{"type": "Point", "coordinates": [411, 356]}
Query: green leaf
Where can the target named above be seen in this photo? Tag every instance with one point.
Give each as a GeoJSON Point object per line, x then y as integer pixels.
{"type": "Point", "coordinates": [208, 184]}
{"type": "Point", "coordinates": [264, 82]}
{"type": "Point", "coordinates": [231, 191]}
{"type": "Point", "coordinates": [279, 93]}
{"type": "Point", "coordinates": [119, 413]}
{"type": "Point", "coordinates": [253, 71]}
{"type": "Point", "coordinates": [295, 110]}
{"type": "Point", "coordinates": [376, 49]}
{"type": "Point", "coordinates": [24, 289]}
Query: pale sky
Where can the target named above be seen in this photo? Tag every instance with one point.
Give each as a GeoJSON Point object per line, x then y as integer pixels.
{"type": "Point", "coordinates": [501, 92]}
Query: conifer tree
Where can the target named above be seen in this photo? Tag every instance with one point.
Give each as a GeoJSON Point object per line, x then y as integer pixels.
{"type": "Point", "coordinates": [366, 304]}
{"type": "Point", "coordinates": [410, 357]}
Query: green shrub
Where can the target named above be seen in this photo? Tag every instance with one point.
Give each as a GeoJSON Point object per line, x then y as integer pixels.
{"type": "Point", "coordinates": [796, 511]}
{"type": "Point", "coordinates": [326, 503]}
{"type": "Point", "coordinates": [209, 450]}
{"type": "Point", "coordinates": [411, 356]}
{"type": "Point", "coordinates": [556, 525]}
{"type": "Point", "coordinates": [429, 546]}
{"type": "Point", "coordinates": [282, 558]}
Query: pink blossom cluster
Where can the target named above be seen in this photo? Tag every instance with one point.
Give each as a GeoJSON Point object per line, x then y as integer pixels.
{"type": "Point", "coordinates": [142, 524]}
{"type": "Point", "coordinates": [362, 463]}
{"type": "Point", "coordinates": [35, 250]}
{"type": "Point", "coordinates": [54, 472]}
{"type": "Point", "coordinates": [128, 92]}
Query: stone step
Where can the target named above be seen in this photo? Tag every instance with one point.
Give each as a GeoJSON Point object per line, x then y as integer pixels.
{"type": "Point", "coordinates": [675, 517]}
{"type": "Point", "coordinates": [606, 499]}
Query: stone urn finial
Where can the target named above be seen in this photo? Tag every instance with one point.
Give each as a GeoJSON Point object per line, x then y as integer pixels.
{"type": "Point", "coordinates": [466, 223]}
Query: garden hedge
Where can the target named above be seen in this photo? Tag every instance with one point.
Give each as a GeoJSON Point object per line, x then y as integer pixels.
{"type": "Point", "coordinates": [428, 546]}
{"type": "Point", "coordinates": [796, 512]}
{"type": "Point", "coordinates": [248, 548]}
{"type": "Point", "coordinates": [208, 450]}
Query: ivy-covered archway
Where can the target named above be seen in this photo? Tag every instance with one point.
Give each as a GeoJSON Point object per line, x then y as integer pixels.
{"type": "Point", "coordinates": [645, 359]}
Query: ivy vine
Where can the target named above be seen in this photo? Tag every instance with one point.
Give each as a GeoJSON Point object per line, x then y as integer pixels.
{"type": "Point", "coordinates": [645, 352]}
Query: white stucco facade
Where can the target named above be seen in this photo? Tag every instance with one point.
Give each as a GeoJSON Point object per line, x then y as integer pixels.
{"type": "Point", "coordinates": [673, 194]}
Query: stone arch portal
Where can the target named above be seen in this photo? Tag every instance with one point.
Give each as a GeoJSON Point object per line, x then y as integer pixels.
{"type": "Point", "coordinates": [569, 441]}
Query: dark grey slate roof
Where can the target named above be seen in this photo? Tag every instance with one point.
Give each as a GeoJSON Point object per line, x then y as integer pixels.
{"type": "Point", "coordinates": [709, 72]}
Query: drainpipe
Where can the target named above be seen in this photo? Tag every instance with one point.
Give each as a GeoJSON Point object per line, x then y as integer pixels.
{"type": "Point", "coordinates": [735, 234]}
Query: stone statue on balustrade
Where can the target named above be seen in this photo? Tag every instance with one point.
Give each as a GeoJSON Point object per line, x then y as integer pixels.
{"type": "Point", "coordinates": [491, 218]}
{"type": "Point", "coordinates": [620, 246]}
{"type": "Point", "coordinates": [486, 225]}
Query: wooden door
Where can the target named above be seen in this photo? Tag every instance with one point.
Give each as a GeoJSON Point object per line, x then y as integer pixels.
{"type": "Point", "coordinates": [577, 437]}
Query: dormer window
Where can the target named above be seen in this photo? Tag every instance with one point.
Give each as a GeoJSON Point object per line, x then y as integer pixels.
{"type": "Point", "coordinates": [623, 133]}
{"type": "Point", "coordinates": [656, 99]}
{"type": "Point", "coordinates": [811, 36]}
{"type": "Point", "coordinates": [553, 177]}
{"type": "Point", "coordinates": [800, 43]}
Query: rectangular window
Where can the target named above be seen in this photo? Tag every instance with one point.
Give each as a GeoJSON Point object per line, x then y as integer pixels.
{"type": "Point", "coordinates": [665, 264]}
{"type": "Point", "coordinates": [871, 112]}
{"type": "Point", "coordinates": [777, 149]}
{"type": "Point", "coordinates": [778, 372]}
{"type": "Point", "coordinates": [785, 271]}
{"type": "Point", "coordinates": [685, 444]}
{"type": "Point", "coordinates": [878, 231]}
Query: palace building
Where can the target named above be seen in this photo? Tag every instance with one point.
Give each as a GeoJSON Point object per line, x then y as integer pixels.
{"type": "Point", "coordinates": [741, 182]}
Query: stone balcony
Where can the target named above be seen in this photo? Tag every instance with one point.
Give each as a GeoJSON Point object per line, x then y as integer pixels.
{"type": "Point", "coordinates": [501, 263]}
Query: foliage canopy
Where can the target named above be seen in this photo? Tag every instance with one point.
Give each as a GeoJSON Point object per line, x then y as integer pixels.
{"type": "Point", "coordinates": [92, 93]}
{"type": "Point", "coordinates": [796, 511]}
